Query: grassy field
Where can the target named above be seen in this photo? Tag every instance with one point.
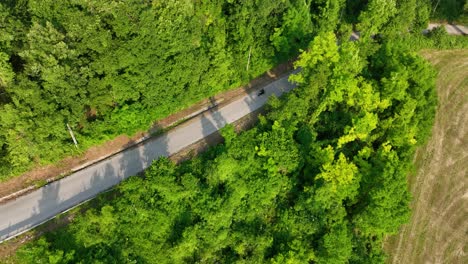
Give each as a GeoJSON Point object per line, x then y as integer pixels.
{"type": "Point", "coordinates": [438, 230]}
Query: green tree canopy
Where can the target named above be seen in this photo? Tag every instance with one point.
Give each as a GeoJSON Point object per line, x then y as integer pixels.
{"type": "Point", "coordinates": [321, 178]}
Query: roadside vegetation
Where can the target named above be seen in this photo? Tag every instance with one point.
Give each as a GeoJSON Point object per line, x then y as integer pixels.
{"type": "Point", "coordinates": [108, 68]}
{"type": "Point", "coordinates": [322, 178]}
{"type": "Point", "coordinates": [436, 232]}
{"type": "Point", "coordinates": [114, 67]}
{"type": "Point", "coordinates": [452, 11]}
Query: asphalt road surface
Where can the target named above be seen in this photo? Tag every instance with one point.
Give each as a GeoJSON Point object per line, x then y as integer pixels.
{"type": "Point", "coordinates": [451, 29]}
{"type": "Point", "coordinates": [37, 207]}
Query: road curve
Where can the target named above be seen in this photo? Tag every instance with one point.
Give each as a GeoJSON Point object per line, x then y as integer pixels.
{"type": "Point", "coordinates": [26, 212]}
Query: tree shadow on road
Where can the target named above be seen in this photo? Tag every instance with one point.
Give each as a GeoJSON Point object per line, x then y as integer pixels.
{"type": "Point", "coordinates": [80, 245]}
{"type": "Point", "coordinates": [48, 200]}
{"type": "Point", "coordinates": [211, 122]}
{"type": "Point", "coordinates": [59, 196]}
{"type": "Point", "coordinates": [140, 156]}
{"type": "Point", "coordinates": [111, 171]}
{"type": "Point", "coordinates": [458, 29]}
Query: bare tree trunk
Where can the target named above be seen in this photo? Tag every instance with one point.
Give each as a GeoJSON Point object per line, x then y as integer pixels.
{"type": "Point", "coordinates": [248, 60]}
{"type": "Point", "coordinates": [72, 135]}
{"type": "Point", "coordinates": [435, 7]}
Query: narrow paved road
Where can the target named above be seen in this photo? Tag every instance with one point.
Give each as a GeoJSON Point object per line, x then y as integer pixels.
{"type": "Point", "coordinates": [451, 29]}
{"type": "Point", "coordinates": [35, 208]}
{"type": "Point", "coordinates": [30, 210]}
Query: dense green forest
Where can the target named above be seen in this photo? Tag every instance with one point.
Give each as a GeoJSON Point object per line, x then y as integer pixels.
{"type": "Point", "coordinates": [320, 179]}
{"type": "Point", "coordinates": [114, 67]}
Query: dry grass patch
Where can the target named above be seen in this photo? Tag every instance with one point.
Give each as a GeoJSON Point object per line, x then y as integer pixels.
{"type": "Point", "coordinates": [438, 230]}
